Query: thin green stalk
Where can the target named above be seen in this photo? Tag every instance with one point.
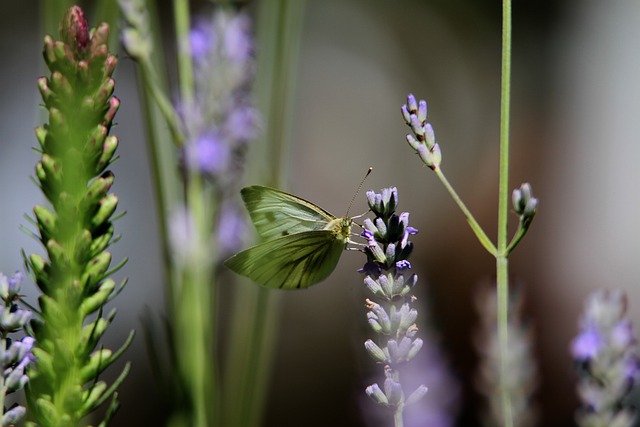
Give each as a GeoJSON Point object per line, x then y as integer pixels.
{"type": "Point", "coordinates": [502, 263]}
{"type": "Point", "coordinates": [397, 417]}
{"type": "Point", "coordinates": [199, 308]}
{"type": "Point", "coordinates": [477, 229]}
{"type": "Point", "coordinates": [185, 66]}
{"type": "Point", "coordinates": [162, 102]}
{"type": "Point", "coordinates": [161, 161]}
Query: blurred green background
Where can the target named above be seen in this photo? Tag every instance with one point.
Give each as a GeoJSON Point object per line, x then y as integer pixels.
{"type": "Point", "coordinates": [575, 109]}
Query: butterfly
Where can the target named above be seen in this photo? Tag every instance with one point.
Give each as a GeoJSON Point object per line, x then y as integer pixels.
{"type": "Point", "coordinates": [302, 242]}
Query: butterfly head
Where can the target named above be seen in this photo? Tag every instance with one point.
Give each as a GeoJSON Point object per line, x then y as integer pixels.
{"type": "Point", "coordinates": [341, 228]}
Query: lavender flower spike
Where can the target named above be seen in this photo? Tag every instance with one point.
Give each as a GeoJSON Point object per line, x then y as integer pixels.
{"type": "Point", "coordinates": [391, 317]}
{"type": "Point", "coordinates": [422, 138]}
{"type": "Point", "coordinates": [15, 356]}
{"type": "Point", "coordinates": [606, 353]}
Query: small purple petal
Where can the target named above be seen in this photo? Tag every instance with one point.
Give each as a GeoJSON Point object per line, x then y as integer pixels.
{"type": "Point", "coordinates": [412, 230]}
{"type": "Point", "coordinates": [202, 38]}
{"type": "Point", "coordinates": [209, 154]}
{"type": "Point", "coordinates": [242, 123]}
{"type": "Point", "coordinates": [403, 264]}
{"type": "Point", "coordinates": [231, 230]}
{"type": "Point", "coordinates": [622, 335]}
{"type": "Point", "coordinates": [237, 39]}
{"type": "Point", "coordinates": [587, 345]}
{"type": "Point", "coordinates": [370, 269]}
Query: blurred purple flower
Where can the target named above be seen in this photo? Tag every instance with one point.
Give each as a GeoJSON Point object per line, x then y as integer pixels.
{"type": "Point", "coordinates": [202, 38]}
{"type": "Point", "coordinates": [231, 228]}
{"type": "Point", "coordinates": [243, 123]}
{"type": "Point", "coordinates": [237, 41]}
{"type": "Point", "coordinates": [208, 153]}
{"type": "Point", "coordinates": [587, 344]}
{"type": "Point", "coordinates": [607, 344]}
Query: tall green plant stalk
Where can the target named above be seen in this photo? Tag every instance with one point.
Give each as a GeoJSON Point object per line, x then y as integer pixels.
{"type": "Point", "coordinates": [76, 151]}
{"type": "Point", "coordinates": [502, 256]}
{"type": "Point", "coordinates": [423, 141]}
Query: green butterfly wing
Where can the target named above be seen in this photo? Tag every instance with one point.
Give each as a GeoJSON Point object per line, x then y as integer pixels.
{"type": "Point", "coordinates": [294, 261]}
{"type": "Point", "coordinates": [276, 213]}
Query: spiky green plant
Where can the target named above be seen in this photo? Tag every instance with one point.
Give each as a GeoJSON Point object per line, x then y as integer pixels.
{"type": "Point", "coordinates": [75, 230]}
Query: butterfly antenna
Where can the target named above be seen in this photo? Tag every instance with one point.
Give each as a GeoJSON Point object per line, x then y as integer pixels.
{"type": "Point", "coordinates": [358, 190]}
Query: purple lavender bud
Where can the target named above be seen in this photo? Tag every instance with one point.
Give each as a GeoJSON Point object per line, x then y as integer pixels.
{"type": "Point", "coordinates": [517, 200]}
{"type": "Point", "coordinates": [373, 322]}
{"type": "Point", "coordinates": [412, 104]}
{"type": "Point", "coordinates": [371, 199]}
{"type": "Point", "coordinates": [13, 415]}
{"type": "Point", "coordinates": [10, 287]}
{"type": "Point", "coordinates": [390, 199]}
{"type": "Point", "coordinates": [382, 317]}
{"type": "Point", "coordinates": [409, 316]}
{"type": "Point", "coordinates": [413, 142]}
{"type": "Point", "coordinates": [373, 286]}
{"type": "Point", "coordinates": [429, 136]}
{"type": "Point", "coordinates": [386, 283]}
{"type": "Point", "coordinates": [422, 111]}
{"type": "Point", "coordinates": [416, 395]}
{"type": "Point", "coordinates": [381, 227]}
{"type": "Point", "coordinates": [393, 391]}
{"type": "Point", "coordinates": [406, 115]}
{"type": "Point", "coordinates": [394, 353]}
{"type": "Point", "coordinates": [416, 345]}
{"type": "Point", "coordinates": [425, 155]}
{"type": "Point", "coordinates": [377, 252]}
{"type": "Point", "coordinates": [375, 393]}
{"type": "Point", "coordinates": [417, 127]}
{"type": "Point", "coordinates": [390, 253]}
{"type": "Point", "coordinates": [403, 349]}
{"type": "Point", "coordinates": [370, 227]}
{"type": "Point", "coordinates": [375, 351]}
{"type": "Point", "coordinates": [16, 379]}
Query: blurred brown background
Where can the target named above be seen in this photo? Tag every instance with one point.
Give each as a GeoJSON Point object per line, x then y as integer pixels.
{"type": "Point", "coordinates": [575, 107]}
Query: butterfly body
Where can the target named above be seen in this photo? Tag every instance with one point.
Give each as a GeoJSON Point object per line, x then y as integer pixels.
{"type": "Point", "coordinates": [302, 242]}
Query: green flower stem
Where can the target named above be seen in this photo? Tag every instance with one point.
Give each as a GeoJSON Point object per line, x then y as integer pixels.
{"type": "Point", "coordinates": [520, 233]}
{"type": "Point", "coordinates": [162, 162]}
{"type": "Point", "coordinates": [163, 103]}
{"type": "Point", "coordinates": [397, 417]}
{"type": "Point", "coordinates": [477, 229]}
{"type": "Point", "coordinates": [502, 262]}
{"type": "Point", "coordinates": [185, 65]}
{"type": "Point", "coordinates": [196, 311]}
